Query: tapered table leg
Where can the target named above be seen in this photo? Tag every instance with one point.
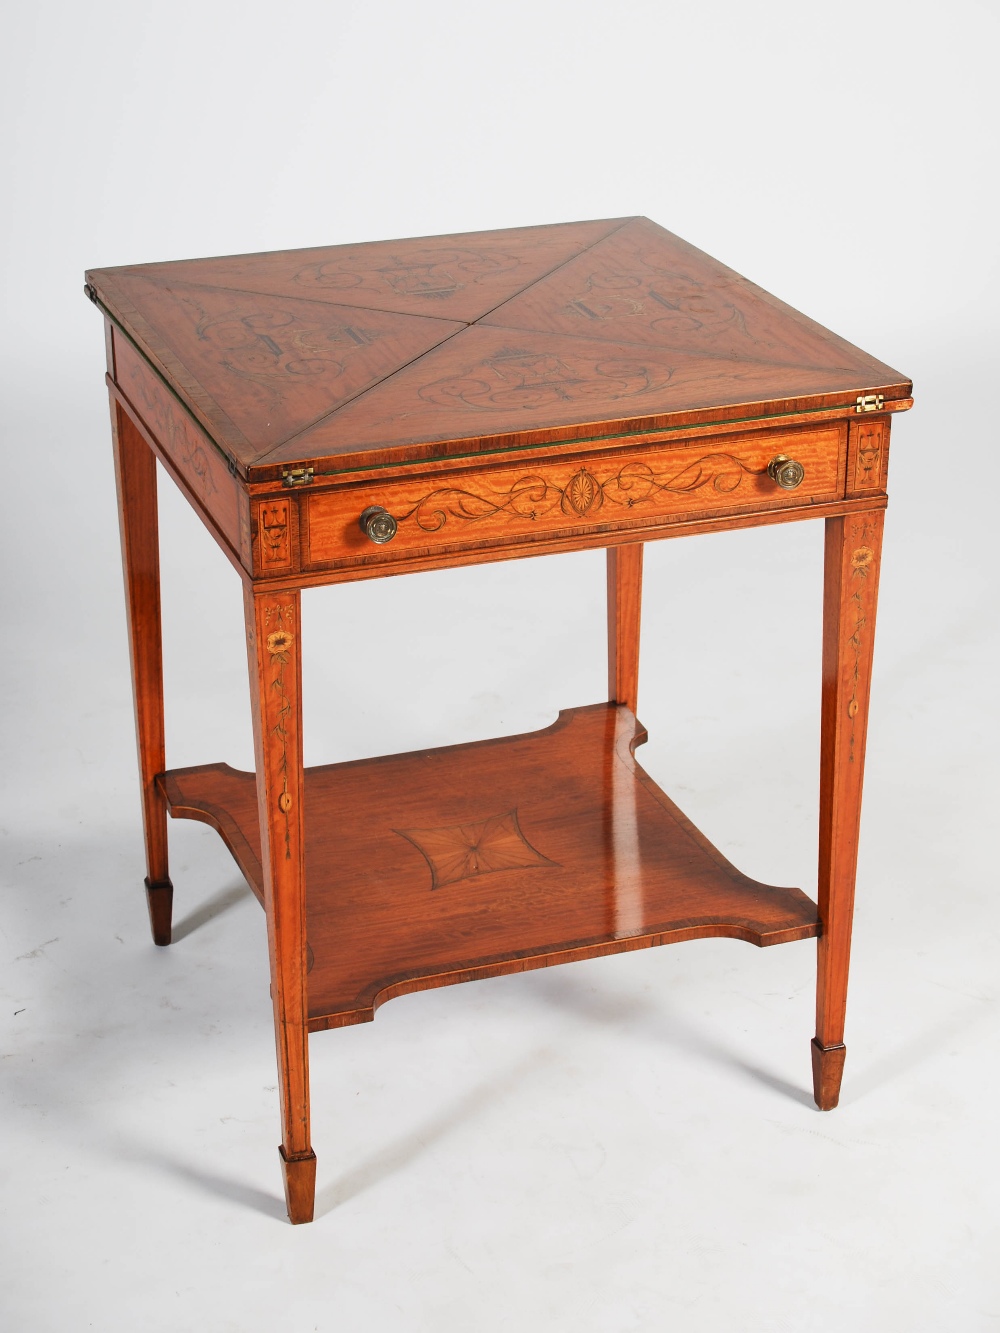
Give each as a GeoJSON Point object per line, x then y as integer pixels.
{"type": "Point", "coordinates": [853, 551]}
{"type": "Point", "coordinates": [274, 643]}
{"type": "Point", "coordinates": [624, 607]}
{"type": "Point", "coordinates": [135, 472]}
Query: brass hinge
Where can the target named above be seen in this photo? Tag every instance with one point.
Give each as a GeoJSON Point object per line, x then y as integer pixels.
{"type": "Point", "coordinates": [297, 476]}
{"type": "Point", "coordinates": [869, 402]}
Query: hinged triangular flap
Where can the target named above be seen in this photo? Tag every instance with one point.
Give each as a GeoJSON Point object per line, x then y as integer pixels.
{"type": "Point", "coordinates": [458, 277]}
{"type": "Point", "coordinates": [270, 365]}
{"type": "Point", "coordinates": [644, 285]}
{"type": "Point", "coordinates": [495, 387]}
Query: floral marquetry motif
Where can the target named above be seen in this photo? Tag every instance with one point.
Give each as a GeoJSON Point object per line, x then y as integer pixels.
{"type": "Point", "coordinates": [861, 593]}
{"type": "Point", "coordinates": [279, 642]}
{"type": "Point", "coordinates": [281, 673]}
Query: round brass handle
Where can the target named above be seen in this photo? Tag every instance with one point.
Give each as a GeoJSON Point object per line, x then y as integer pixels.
{"type": "Point", "coordinates": [786, 472]}
{"type": "Point", "coordinates": [378, 524]}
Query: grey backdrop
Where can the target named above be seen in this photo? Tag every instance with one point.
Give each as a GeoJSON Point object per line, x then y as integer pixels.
{"type": "Point", "coordinates": [627, 1144]}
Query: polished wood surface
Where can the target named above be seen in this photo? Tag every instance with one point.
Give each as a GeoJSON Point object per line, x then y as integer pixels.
{"type": "Point", "coordinates": [459, 277]}
{"type": "Point", "coordinates": [493, 388]}
{"type": "Point", "coordinates": [644, 285]}
{"type": "Point", "coordinates": [135, 473]}
{"type": "Point", "coordinates": [624, 619]}
{"type": "Point", "coordinates": [498, 856]}
{"type": "Point", "coordinates": [274, 647]}
{"type": "Point", "coordinates": [628, 490]}
{"type": "Point", "coordinates": [495, 395]}
{"type": "Point", "coordinates": [190, 459]}
{"type": "Point", "coordinates": [827, 1073]}
{"type": "Point", "coordinates": [184, 448]}
{"type": "Point", "coordinates": [291, 360]}
{"type": "Point", "coordinates": [598, 535]}
{"type": "Point", "coordinates": [366, 356]}
{"type": "Point", "coordinates": [852, 560]}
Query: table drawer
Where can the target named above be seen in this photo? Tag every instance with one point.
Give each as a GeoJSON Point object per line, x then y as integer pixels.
{"type": "Point", "coordinates": [623, 489]}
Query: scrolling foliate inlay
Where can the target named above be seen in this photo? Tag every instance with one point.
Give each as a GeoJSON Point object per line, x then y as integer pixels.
{"type": "Point", "coordinates": [863, 570]}
{"type": "Point", "coordinates": [268, 346]}
{"type": "Point", "coordinates": [432, 274]}
{"type": "Point", "coordinates": [521, 377]}
{"type": "Point", "coordinates": [533, 496]}
{"type": "Point", "coordinates": [279, 643]}
{"type": "Point", "coordinates": [664, 300]}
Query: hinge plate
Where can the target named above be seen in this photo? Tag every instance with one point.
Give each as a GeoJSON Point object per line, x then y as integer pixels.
{"type": "Point", "coordinates": [869, 402]}
{"type": "Point", "coordinates": [297, 476]}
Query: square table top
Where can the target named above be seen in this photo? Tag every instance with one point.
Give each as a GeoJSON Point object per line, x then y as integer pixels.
{"type": "Point", "coordinates": [390, 352]}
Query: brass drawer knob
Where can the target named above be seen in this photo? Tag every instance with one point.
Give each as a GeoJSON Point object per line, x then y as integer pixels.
{"type": "Point", "coordinates": [786, 472]}
{"type": "Point", "coordinates": [378, 524]}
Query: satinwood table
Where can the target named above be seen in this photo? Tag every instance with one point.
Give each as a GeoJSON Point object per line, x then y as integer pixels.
{"type": "Point", "coordinates": [362, 410]}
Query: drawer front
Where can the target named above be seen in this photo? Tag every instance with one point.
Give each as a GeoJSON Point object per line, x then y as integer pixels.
{"type": "Point", "coordinates": [621, 490]}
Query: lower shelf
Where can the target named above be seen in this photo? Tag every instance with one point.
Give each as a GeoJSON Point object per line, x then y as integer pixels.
{"type": "Point", "coordinates": [446, 865]}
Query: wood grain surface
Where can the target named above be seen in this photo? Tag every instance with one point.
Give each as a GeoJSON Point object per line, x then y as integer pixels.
{"type": "Point", "coordinates": [195, 462]}
{"type": "Point", "coordinates": [644, 285]}
{"type": "Point", "coordinates": [853, 557]}
{"type": "Point", "coordinates": [628, 487]}
{"type": "Point", "coordinates": [867, 455]}
{"type": "Point", "coordinates": [274, 648]}
{"type": "Point", "coordinates": [624, 620]}
{"type": "Point", "coordinates": [135, 474]}
{"type": "Point", "coordinates": [444, 865]}
{"type": "Point", "coordinates": [458, 277]}
{"type": "Point", "coordinates": [274, 364]}
{"type": "Point", "coordinates": [371, 355]}
{"type": "Point", "coordinates": [487, 388]}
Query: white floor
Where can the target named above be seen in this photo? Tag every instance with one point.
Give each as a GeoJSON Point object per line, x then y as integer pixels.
{"type": "Point", "coordinates": [626, 1144]}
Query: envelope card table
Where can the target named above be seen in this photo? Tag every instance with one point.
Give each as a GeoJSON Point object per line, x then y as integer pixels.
{"type": "Point", "coordinates": [357, 411]}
